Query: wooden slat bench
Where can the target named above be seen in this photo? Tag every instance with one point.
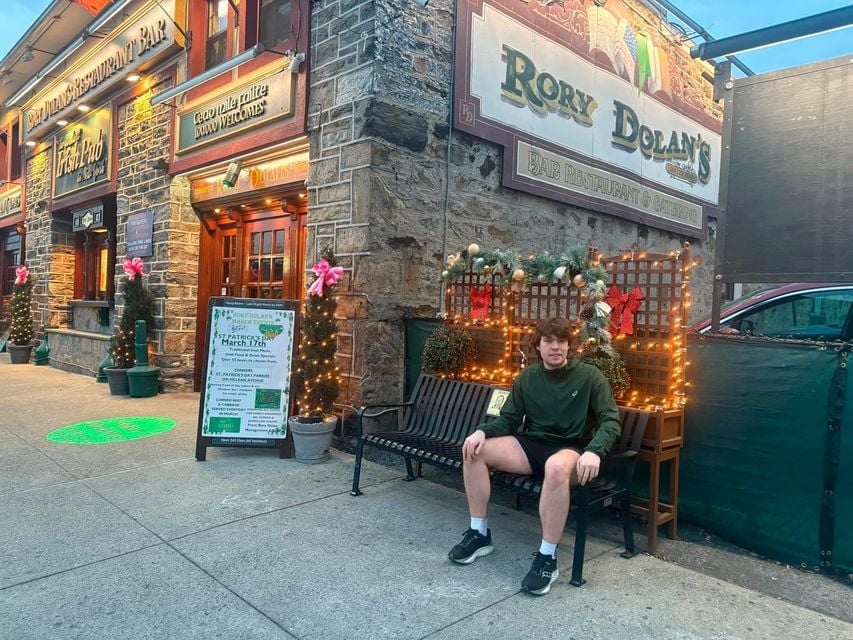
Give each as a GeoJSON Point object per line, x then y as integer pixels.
{"type": "Point", "coordinates": [442, 413]}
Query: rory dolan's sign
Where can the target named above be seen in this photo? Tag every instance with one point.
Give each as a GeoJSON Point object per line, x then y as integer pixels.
{"type": "Point", "coordinates": [82, 154]}
{"type": "Point", "coordinates": [591, 111]}
{"type": "Point", "coordinates": [140, 42]}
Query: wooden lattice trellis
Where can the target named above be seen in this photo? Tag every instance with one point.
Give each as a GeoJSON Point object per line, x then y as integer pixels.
{"type": "Point", "coordinates": [654, 354]}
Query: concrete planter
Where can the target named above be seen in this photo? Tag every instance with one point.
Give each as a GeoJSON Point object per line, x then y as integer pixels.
{"type": "Point", "coordinates": [19, 353]}
{"type": "Point", "coordinates": [312, 441]}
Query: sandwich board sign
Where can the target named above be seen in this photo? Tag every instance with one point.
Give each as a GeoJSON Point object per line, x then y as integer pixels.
{"type": "Point", "coordinates": [248, 359]}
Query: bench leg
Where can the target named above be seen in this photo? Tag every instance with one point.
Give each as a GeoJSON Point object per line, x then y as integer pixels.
{"type": "Point", "coordinates": [580, 547]}
{"type": "Point", "coordinates": [356, 473]}
{"type": "Point", "coordinates": [627, 530]}
{"type": "Point", "coordinates": [410, 474]}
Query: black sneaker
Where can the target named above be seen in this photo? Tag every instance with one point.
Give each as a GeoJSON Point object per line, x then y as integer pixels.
{"type": "Point", "coordinates": [543, 572]}
{"type": "Point", "coordinates": [474, 544]}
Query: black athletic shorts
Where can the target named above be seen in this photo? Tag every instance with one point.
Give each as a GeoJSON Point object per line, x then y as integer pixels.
{"type": "Point", "coordinates": [538, 452]}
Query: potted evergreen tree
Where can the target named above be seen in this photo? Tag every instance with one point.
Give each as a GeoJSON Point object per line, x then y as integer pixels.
{"type": "Point", "coordinates": [315, 381]}
{"type": "Point", "coordinates": [20, 343]}
{"type": "Point", "coordinates": [138, 305]}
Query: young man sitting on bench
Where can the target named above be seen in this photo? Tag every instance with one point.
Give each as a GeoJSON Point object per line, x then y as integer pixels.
{"type": "Point", "coordinates": [561, 447]}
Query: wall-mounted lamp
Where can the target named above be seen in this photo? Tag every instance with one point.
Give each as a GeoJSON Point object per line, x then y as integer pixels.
{"type": "Point", "coordinates": [27, 55]}
{"type": "Point", "coordinates": [232, 174]}
{"type": "Point", "coordinates": [20, 228]}
{"type": "Point", "coordinates": [295, 60]}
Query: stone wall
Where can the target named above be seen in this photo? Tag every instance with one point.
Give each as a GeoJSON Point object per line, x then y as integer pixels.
{"type": "Point", "coordinates": [49, 248]}
{"type": "Point", "coordinates": [379, 118]}
{"type": "Point", "coordinates": [144, 133]}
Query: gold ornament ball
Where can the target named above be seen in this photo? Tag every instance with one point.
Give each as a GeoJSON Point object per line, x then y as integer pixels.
{"type": "Point", "coordinates": [487, 269]}
{"type": "Point", "coordinates": [473, 249]}
{"type": "Point", "coordinates": [518, 275]}
{"type": "Point", "coordinates": [578, 281]}
{"type": "Point", "coordinates": [593, 340]}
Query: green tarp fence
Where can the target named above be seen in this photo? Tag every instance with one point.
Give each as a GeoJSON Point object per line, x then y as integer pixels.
{"type": "Point", "coordinates": [768, 455]}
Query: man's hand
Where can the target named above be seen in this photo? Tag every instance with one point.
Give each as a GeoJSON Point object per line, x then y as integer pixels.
{"type": "Point", "coordinates": [588, 465]}
{"type": "Point", "coordinates": [473, 445]}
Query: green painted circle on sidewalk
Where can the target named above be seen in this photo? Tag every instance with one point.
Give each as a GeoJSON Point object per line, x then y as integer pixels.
{"type": "Point", "coordinates": [111, 430]}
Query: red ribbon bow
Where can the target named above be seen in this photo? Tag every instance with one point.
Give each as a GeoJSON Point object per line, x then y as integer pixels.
{"type": "Point", "coordinates": [625, 305]}
{"type": "Point", "coordinates": [481, 300]}
{"type": "Point", "coordinates": [326, 274]}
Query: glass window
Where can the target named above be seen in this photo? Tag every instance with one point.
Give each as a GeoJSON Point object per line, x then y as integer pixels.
{"type": "Point", "coordinates": [816, 315]}
{"type": "Point", "coordinates": [11, 260]}
{"type": "Point", "coordinates": [274, 22]}
{"type": "Point", "coordinates": [216, 48]}
{"type": "Point", "coordinates": [95, 253]}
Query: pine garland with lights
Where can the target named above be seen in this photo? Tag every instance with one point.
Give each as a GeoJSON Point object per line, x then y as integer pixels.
{"type": "Point", "coordinates": [316, 382]}
{"type": "Point", "coordinates": [138, 305]}
{"type": "Point", "coordinates": [21, 327]}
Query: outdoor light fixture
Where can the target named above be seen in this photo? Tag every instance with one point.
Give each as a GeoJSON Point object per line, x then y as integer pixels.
{"type": "Point", "coordinates": [133, 77]}
{"type": "Point", "coordinates": [85, 108]}
{"type": "Point", "coordinates": [62, 123]}
{"type": "Point", "coordinates": [295, 60]}
{"type": "Point", "coordinates": [30, 143]}
{"type": "Point", "coordinates": [28, 55]}
{"type": "Point", "coordinates": [236, 61]}
{"type": "Point", "coordinates": [232, 173]}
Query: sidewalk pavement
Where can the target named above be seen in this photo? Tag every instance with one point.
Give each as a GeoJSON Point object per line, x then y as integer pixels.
{"type": "Point", "coordinates": [138, 540]}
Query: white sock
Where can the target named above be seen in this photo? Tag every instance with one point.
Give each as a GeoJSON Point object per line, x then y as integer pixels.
{"type": "Point", "coordinates": [480, 524]}
{"type": "Point", "coordinates": [548, 549]}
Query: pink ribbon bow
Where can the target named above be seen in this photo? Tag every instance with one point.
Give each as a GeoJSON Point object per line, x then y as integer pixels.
{"type": "Point", "coordinates": [133, 268]}
{"type": "Point", "coordinates": [21, 275]}
{"type": "Point", "coordinates": [625, 305]}
{"type": "Point", "coordinates": [326, 275]}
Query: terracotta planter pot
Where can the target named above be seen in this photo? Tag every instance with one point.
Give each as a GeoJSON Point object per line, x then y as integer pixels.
{"type": "Point", "coordinates": [312, 441]}
{"type": "Point", "coordinates": [19, 353]}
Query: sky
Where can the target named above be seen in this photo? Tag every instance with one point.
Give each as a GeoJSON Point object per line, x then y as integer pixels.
{"type": "Point", "coordinates": [720, 18]}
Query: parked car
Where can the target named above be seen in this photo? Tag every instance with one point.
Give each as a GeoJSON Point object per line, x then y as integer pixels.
{"type": "Point", "coordinates": [803, 310]}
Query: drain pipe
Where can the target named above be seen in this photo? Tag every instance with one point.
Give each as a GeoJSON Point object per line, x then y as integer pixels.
{"type": "Point", "coordinates": [441, 297]}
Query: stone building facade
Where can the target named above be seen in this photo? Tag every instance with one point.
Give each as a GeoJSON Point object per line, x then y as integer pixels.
{"type": "Point", "coordinates": [382, 153]}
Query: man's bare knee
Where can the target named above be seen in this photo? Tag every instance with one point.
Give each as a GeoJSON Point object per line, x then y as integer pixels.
{"type": "Point", "coordinates": [559, 468]}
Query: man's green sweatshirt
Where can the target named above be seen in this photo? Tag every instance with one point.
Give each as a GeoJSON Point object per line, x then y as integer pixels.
{"type": "Point", "coordinates": [571, 405]}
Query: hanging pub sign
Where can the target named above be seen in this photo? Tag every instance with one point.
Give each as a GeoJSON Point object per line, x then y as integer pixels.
{"type": "Point", "coordinates": [140, 234]}
{"type": "Point", "coordinates": [88, 218]}
{"type": "Point", "coordinates": [11, 201]}
{"type": "Point", "coordinates": [247, 369]}
{"type": "Point", "coordinates": [252, 104]}
{"type": "Point", "coordinates": [82, 154]}
{"type": "Point", "coordinates": [597, 106]}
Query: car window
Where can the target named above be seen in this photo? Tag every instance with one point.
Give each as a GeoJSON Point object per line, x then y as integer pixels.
{"type": "Point", "coordinates": [809, 315]}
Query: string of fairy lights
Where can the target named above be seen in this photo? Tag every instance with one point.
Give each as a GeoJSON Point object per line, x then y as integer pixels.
{"type": "Point", "coordinates": [656, 356]}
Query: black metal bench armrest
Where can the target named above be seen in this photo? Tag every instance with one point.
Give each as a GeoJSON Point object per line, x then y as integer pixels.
{"type": "Point", "coordinates": [619, 468]}
{"type": "Point", "coordinates": [388, 408]}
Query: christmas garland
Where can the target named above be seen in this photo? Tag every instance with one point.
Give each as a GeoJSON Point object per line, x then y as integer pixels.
{"type": "Point", "coordinates": [572, 265]}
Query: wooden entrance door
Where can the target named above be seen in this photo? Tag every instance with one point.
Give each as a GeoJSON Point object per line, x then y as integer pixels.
{"type": "Point", "coordinates": [258, 256]}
